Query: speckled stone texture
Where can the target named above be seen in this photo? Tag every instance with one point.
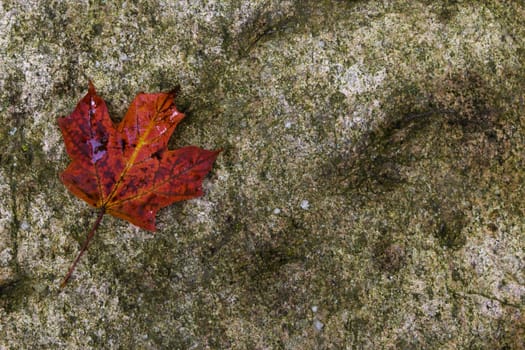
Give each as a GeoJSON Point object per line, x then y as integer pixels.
{"type": "Point", "coordinates": [370, 194]}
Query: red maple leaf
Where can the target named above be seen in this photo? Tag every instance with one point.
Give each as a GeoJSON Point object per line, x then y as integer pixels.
{"type": "Point", "coordinates": [126, 170]}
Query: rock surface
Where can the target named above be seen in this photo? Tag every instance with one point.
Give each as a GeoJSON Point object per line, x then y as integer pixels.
{"type": "Point", "coordinates": [370, 192]}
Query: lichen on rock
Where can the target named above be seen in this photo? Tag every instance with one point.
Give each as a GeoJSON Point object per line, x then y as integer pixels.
{"type": "Point", "coordinates": [372, 168]}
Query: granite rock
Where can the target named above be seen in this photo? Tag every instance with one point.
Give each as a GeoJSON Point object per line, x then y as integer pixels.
{"type": "Point", "coordinates": [372, 171]}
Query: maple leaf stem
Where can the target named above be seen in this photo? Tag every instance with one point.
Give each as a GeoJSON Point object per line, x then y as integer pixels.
{"type": "Point", "coordinates": [90, 235]}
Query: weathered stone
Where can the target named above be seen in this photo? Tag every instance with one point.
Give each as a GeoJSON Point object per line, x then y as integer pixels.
{"type": "Point", "coordinates": [372, 171]}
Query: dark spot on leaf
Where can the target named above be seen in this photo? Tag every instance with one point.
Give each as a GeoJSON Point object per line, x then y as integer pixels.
{"type": "Point", "coordinates": [158, 155]}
